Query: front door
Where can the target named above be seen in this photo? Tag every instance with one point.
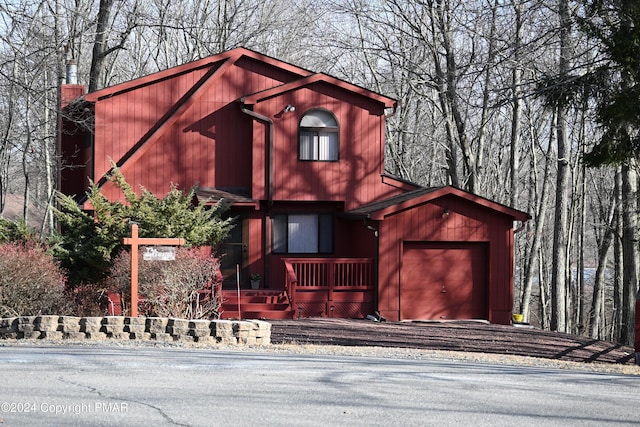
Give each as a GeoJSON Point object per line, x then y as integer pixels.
{"type": "Point", "coordinates": [233, 255]}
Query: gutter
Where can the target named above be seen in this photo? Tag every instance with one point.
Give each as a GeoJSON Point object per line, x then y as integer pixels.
{"type": "Point", "coordinates": [394, 112]}
{"type": "Point", "coordinates": [376, 261]}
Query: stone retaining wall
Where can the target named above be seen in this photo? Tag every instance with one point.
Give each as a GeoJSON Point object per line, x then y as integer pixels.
{"type": "Point", "coordinates": [246, 332]}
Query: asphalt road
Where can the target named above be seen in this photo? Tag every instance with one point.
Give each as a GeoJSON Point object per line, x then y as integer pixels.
{"type": "Point", "coordinates": [110, 385]}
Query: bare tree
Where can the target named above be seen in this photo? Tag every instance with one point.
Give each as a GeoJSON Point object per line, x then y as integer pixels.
{"type": "Point", "coordinates": [629, 250]}
{"type": "Point", "coordinates": [104, 32]}
{"type": "Point", "coordinates": [597, 313]}
{"type": "Point", "coordinates": [29, 56]}
{"type": "Point", "coordinates": [560, 269]}
{"type": "Point", "coordinates": [540, 195]}
{"type": "Point", "coordinates": [516, 108]}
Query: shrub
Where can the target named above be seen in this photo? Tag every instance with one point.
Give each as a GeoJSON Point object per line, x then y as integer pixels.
{"type": "Point", "coordinates": [187, 288]}
{"type": "Point", "coordinates": [15, 231]}
{"type": "Point", "coordinates": [90, 241]}
{"type": "Point", "coordinates": [89, 300]}
{"type": "Point", "coordinates": [31, 283]}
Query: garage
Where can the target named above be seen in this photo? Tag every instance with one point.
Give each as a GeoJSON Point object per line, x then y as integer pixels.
{"type": "Point", "coordinates": [443, 280]}
{"type": "Point", "coordinates": [443, 254]}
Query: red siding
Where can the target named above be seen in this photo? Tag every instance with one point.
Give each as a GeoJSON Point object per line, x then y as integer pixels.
{"type": "Point", "coordinates": [209, 144]}
{"type": "Point", "coordinates": [355, 178]}
{"type": "Point", "coordinates": [168, 131]}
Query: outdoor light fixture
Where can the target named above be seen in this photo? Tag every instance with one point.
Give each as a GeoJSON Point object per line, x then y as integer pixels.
{"type": "Point", "coordinates": [445, 212]}
{"type": "Point", "coordinates": [289, 108]}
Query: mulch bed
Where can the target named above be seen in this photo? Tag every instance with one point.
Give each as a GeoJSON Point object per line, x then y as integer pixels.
{"type": "Point", "coordinates": [467, 336]}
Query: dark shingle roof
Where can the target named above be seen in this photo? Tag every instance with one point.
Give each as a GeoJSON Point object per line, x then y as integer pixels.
{"type": "Point", "coordinates": [383, 204]}
{"type": "Point", "coordinates": [412, 198]}
{"type": "Point", "coordinates": [227, 195]}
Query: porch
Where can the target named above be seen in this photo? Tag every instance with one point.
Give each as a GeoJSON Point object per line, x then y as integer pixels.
{"type": "Point", "coordinates": [312, 287]}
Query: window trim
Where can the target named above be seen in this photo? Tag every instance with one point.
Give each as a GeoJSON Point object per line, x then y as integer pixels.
{"type": "Point", "coordinates": [334, 130]}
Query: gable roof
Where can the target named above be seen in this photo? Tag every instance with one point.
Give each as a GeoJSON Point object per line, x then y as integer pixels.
{"type": "Point", "coordinates": [232, 56]}
{"type": "Point", "coordinates": [410, 199]}
{"type": "Point", "coordinates": [314, 79]}
{"type": "Point", "coordinates": [216, 66]}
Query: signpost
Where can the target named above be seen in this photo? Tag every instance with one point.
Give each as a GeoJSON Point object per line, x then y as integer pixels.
{"type": "Point", "coordinates": [159, 253]}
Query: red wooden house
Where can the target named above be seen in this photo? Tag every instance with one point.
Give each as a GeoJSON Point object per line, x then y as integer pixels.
{"type": "Point", "coordinates": [300, 158]}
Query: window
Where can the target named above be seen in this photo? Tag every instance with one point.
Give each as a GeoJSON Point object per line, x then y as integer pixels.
{"type": "Point", "coordinates": [319, 139]}
{"type": "Point", "coordinates": [303, 234]}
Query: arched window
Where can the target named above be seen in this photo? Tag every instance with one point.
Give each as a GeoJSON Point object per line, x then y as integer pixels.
{"type": "Point", "coordinates": [319, 137]}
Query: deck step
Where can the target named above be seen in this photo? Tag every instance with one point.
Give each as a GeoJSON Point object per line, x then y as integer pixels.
{"type": "Point", "coordinates": [274, 299]}
{"type": "Point", "coordinates": [262, 314]}
{"type": "Point", "coordinates": [256, 304]}
{"type": "Point", "coordinates": [254, 292]}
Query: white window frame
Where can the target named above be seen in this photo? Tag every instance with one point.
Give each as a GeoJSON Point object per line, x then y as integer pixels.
{"type": "Point", "coordinates": [319, 137]}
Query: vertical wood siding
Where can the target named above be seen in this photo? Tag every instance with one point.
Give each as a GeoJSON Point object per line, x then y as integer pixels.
{"type": "Point", "coordinates": [355, 178]}
{"type": "Point", "coordinates": [213, 144]}
{"type": "Point", "coordinates": [209, 145]}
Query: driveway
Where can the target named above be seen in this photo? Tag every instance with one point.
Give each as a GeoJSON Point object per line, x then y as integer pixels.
{"type": "Point", "coordinates": [467, 336]}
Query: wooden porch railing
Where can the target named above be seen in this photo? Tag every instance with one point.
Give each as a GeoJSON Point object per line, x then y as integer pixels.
{"type": "Point", "coordinates": [327, 274]}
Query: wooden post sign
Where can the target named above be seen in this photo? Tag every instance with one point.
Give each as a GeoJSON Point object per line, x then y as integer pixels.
{"type": "Point", "coordinates": [162, 255]}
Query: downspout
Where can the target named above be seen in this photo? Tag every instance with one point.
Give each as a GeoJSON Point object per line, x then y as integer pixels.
{"type": "Point", "coordinates": [267, 225]}
{"type": "Point", "coordinates": [376, 232]}
{"type": "Point", "coordinates": [376, 235]}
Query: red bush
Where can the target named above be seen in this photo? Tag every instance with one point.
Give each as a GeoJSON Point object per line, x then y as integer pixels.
{"type": "Point", "coordinates": [89, 300]}
{"type": "Point", "coordinates": [187, 288]}
{"type": "Point", "coordinates": [31, 282]}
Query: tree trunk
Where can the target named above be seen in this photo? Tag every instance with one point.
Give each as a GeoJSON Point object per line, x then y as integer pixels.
{"type": "Point", "coordinates": [559, 283]}
{"type": "Point", "coordinates": [597, 302]}
{"type": "Point", "coordinates": [539, 227]}
{"type": "Point", "coordinates": [446, 79]}
{"type": "Point", "coordinates": [629, 251]}
{"type": "Point", "coordinates": [98, 57]}
{"type": "Point", "coordinates": [617, 263]}
{"type": "Point", "coordinates": [561, 230]}
{"type": "Point", "coordinates": [544, 291]}
{"type": "Point", "coordinates": [25, 164]}
{"type": "Point", "coordinates": [5, 143]}
{"type": "Point", "coordinates": [516, 108]}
